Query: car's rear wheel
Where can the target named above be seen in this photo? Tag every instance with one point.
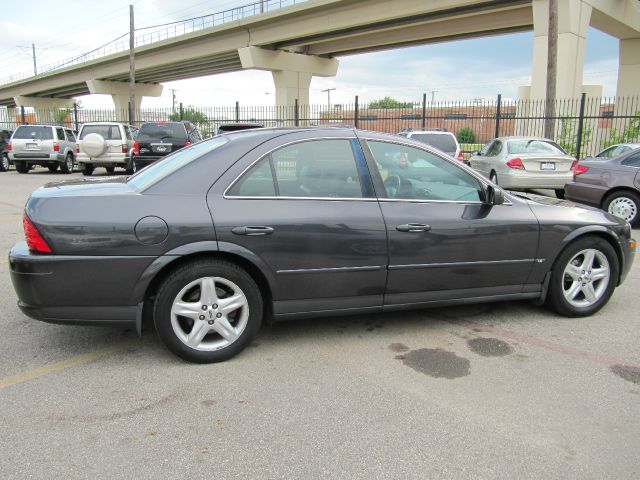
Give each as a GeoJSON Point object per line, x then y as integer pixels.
{"type": "Point", "coordinates": [559, 193]}
{"type": "Point", "coordinates": [67, 165]}
{"type": "Point", "coordinates": [583, 277]}
{"type": "Point", "coordinates": [208, 311]}
{"type": "Point", "coordinates": [22, 167]}
{"type": "Point", "coordinates": [4, 163]}
{"type": "Point", "coordinates": [624, 204]}
{"type": "Point", "coordinates": [87, 169]}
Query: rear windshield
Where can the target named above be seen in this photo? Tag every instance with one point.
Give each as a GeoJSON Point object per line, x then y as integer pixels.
{"type": "Point", "coordinates": [26, 132]}
{"type": "Point", "coordinates": [108, 132]}
{"type": "Point", "coordinates": [446, 143]}
{"type": "Point", "coordinates": [534, 146]}
{"type": "Point", "coordinates": [156, 132]}
{"type": "Point", "coordinates": [157, 171]}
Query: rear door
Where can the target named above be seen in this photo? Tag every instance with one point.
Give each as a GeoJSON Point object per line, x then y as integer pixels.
{"type": "Point", "coordinates": [306, 212]}
{"type": "Point", "coordinates": [32, 141]}
{"type": "Point", "coordinates": [444, 243]}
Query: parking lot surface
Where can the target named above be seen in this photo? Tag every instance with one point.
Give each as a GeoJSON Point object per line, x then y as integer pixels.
{"type": "Point", "coordinates": [504, 390]}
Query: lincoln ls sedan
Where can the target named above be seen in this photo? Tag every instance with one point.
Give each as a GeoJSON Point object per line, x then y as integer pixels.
{"type": "Point", "coordinates": [272, 224]}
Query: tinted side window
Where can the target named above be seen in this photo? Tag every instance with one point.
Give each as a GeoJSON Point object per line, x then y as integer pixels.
{"type": "Point", "coordinates": [318, 168]}
{"type": "Point", "coordinates": [486, 148]}
{"type": "Point", "coordinates": [70, 136]}
{"type": "Point", "coordinates": [632, 161]}
{"type": "Point", "coordinates": [412, 174]}
{"type": "Point", "coordinates": [257, 182]}
{"type": "Point", "coordinates": [60, 134]}
{"type": "Point", "coordinates": [495, 149]}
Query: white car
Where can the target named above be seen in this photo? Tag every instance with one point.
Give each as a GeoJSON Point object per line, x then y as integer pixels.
{"type": "Point", "coordinates": [443, 140]}
{"type": "Point", "coordinates": [520, 163]}
{"type": "Point", "coordinates": [105, 144]}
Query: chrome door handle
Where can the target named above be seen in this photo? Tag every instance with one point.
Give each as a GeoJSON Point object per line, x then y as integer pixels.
{"type": "Point", "coordinates": [252, 230]}
{"type": "Point", "coordinates": [413, 227]}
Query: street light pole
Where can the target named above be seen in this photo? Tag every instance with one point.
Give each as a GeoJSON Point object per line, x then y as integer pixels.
{"type": "Point", "coordinates": [132, 68]}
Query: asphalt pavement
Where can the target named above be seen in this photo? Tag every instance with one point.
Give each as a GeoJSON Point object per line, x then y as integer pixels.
{"type": "Point", "coordinates": [504, 390]}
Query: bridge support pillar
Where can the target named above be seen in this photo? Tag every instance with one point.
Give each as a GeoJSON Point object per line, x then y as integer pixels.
{"type": "Point", "coordinates": [573, 23]}
{"type": "Point", "coordinates": [629, 68]}
{"type": "Point", "coordinates": [46, 108]}
{"type": "Point", "coordinates": [119, 92]}
{"type": "Point", "coordinates": [291, 72]}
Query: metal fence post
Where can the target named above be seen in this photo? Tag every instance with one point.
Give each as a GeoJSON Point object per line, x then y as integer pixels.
{"type": "Point", "coordinates": [181, 112]}
{"type": "Point", "coordinates": [498, 108]}
{"type": "Point", "coordinates": [355, 113]}
{"type": "Point", "coordinates": [237, 111]}
{"type": "Point", "coordinates": [22, 116]}
{"type": "Point", "coordinates": [424, 111]}
{"type": "Point", "coordinates": [580, 125]}
{"type": "Point", "coordinates": [75, 115]}
{"type": "Point", "coordinates": [296, 113]}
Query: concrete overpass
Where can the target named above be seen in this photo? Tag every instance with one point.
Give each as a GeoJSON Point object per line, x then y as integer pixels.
{"type": "Point", "coordinates": [303, 40]}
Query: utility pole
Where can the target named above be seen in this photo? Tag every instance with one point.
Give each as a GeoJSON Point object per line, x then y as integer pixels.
{"type": "Point", "coordinates": [173, 100]}
{"type": "Point", "coordinates": [328, 90]}
{"type": "Point", "coordinates": [552, 66]}
{"type": "Point", "coordinates": [132, 68]}
{"type": "Point", "coordinates": [33, 50]}
{"type": "Point", "coordinates": [433, 95]}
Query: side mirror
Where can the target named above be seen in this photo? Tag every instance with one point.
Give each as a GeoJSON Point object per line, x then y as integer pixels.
{"type": "Point", "coordinates": [493, 196]}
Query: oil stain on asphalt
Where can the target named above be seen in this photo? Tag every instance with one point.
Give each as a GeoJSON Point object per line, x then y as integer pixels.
{"type": "Point", "coordinates": [630, 374]}
{"type": "Point", "coordinates": [436, 362]}
{"type": "Point", "coordinates": [489, 347]}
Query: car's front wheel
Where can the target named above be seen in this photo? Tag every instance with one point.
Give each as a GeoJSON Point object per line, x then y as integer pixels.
{"type": "Point", "coordinates": [4, 163]}
{"type": "Point", "coordinates": [583, 277]}
{"type": "Point", "coordinates": [624, 204]}
{"type": "Point", "coordinates": [208, 311]}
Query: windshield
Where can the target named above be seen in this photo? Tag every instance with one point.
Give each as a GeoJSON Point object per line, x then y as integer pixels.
{"type": "Point", "coordinates": [155, 132]}
{"type": "Point", "coordinates": [171, 163]}
{"type": "Point", "coordinates": [28, 132]}
{"type": "Point", "coordinates": [108, 132]}
{"type": "Point", "coordinates": [445, 143]}
{"type": "Point", "coordinates": [525, 145]}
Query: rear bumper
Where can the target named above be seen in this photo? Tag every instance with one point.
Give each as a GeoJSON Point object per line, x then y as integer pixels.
{"type": "Point", "coordinates": [36, 158]}
{"type": "Point", "coordinates": [526, 180]}
{"type": "Point", "coordinates": [106, 159]}
{"type": "Point", "coordinates": [74, 290]}
{"type": "Point", "coordinates": [585, 193]}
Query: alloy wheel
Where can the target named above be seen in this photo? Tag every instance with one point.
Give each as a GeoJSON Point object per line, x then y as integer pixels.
{"type": "Point", "coordinates": [586, 278]}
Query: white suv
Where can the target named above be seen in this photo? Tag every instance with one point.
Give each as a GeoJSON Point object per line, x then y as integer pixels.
{"type": "Point", "coordinates": [105, 144]}
{"type": "Point", "coordinates": [441, 139]}
{"type": "Point", "coordinates": [50, 146]}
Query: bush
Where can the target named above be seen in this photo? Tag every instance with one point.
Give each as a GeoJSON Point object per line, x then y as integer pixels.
{"type": "Point", "coordinates": [466, 135]}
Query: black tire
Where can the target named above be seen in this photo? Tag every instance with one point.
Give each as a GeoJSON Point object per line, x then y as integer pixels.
{"type": "Point", "coordinates": [110, 169]}
{"type": "Point", "coordinates": [559, 193]}
{"type": "Point", "coordinates": [4, 163]}
{"type": "Point", "coordinates": [67, 165]}
{"type": "Point", "coordinates": [194, 271]}
{"type": "Point", "coordinates": [556, 299]}
{"type": "Point", "coordinates": [87, 169]}
{"type": "Point", "coordinates": [53, 168]}
{"type": "Point", "coordinates": [631, 201]}
{"type": "Point", "coordinates": [493, 176]}
{"type": "Point", "coordinates": [22, 167]}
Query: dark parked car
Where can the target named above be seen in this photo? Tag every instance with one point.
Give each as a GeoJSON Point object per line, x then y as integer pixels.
{"type": "Point", "coordinates": [158, 139]}
{"type": "Point", "coordinates": [281, 223]}
{"type": "Point", "coordinates": [613, 185]}
{"type": "Point", "coordinates": [5, 137]}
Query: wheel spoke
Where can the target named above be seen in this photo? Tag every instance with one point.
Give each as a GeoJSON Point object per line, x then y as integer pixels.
{"type": "Point", "coordinates": [599, 273]}
{"type": "Point", "coordinates": [228, 305]}
{"type": "Point", "coordinates": [589, 293]}
{"type": "Point", "coordinates": [197, 333]}
{"type": "Point", "coordinates": [187, 309]}
{"type": "Point", "coordinates": [208, 291]}
{"type": "Point", "coordinates": [573, 290]}
{"type": "Point", "coordinates": [573, 271]}
{"type": "Point", "coordinates": [225, 329]}
{"type": "Point", "coordinates": [587, 263]}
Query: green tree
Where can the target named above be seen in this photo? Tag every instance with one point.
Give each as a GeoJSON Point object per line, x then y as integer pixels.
{"type": "Point", "coordinates": [61, 115]}
{"type": "Point", "coordinates": [568, 138]}
{"type": "Point", "coordinates": [388, 102]}
{"type": "Point", "coordinates": [189, 114]}
{"type": "Point", "coordinates": [630, 133]}
{"type": "Point", "coordinates": [466, 135]}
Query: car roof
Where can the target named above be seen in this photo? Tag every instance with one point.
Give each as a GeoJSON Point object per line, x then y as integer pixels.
{"type": "Point", "coordinates": [105, 123]}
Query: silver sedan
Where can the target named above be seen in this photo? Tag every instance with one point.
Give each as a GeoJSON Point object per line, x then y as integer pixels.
{"type": "Point", "coordinates": [521, 163]}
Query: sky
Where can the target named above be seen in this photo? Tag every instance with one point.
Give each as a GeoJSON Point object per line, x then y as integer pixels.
{"type": "Point", "coordinates": [459, 70]}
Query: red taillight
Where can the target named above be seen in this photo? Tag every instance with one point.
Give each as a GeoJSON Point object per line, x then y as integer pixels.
{"type": "Point", "coordinates": [187, 143]}
{"type": "Point", "coordinates": [56, 147]}
{"type": "Point", "coordinates": [9, 147]}
{"type": "Point", "coordinates": [460, 157]}
{"type": "Point", "coordinates": [577, 168]}
{"type": "Point", "coordinates": [515, 163]}
{"type": "Point", "coordinates": [34, 240]}
{"type": "Point", "coordinates": [136, 148]}
{"type": "Point", "coordinates": [125, 149]}
{"type": "Point", "coordinates": [77, 148]}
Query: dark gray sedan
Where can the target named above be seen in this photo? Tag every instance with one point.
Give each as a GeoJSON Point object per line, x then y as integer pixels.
{"type": "Point", "coordinates": [279, 223]}
{"type": "Point", "coordinates": [611, 184]}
